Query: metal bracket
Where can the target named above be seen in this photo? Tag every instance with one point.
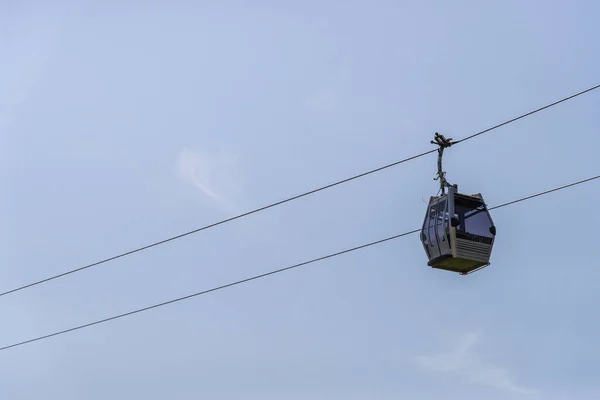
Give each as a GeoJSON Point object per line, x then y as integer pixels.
{"type": "Point", "coordinates": [475, 270]}
{"type": "Point", "coordinates": [442, 142]}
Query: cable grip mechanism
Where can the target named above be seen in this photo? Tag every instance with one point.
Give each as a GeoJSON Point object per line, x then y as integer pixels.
{"type": "Point", "coordinates": [442, 143]}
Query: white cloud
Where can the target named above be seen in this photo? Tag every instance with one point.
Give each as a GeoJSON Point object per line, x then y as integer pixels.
{"type": "Point", "coordinates": [463, 362]}
{"type": "Point", "coordinates": [216, 175]}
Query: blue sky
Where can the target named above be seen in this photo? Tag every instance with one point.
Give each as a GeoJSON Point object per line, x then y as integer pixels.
{"type": "Point", "coordinates": [123, 123]}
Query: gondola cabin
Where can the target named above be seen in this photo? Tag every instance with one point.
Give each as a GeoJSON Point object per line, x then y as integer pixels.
{"type": "Point", "coordinates": [458, 232]}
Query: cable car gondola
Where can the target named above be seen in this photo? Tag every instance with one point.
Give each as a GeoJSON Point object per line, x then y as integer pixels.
{"type": "Point", "coordinates": [458, 232]}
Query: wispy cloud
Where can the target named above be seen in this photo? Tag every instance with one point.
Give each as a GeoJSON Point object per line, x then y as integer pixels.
{"type": "Point", "coordinates": [215, 175]}
{"type": "Point", "coordinates": [464, 362]}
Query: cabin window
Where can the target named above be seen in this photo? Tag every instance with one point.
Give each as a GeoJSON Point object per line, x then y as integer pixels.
{"type": "Point", "coordinates": [432, 224]}
{"type": "Point", "coordinates": [442, 216]}
{"type": "Point", "coordinates": [473, 216]}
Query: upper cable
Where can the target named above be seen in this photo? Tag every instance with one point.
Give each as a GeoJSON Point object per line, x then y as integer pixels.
{"type": "Point", "coordinates": [322, 188]}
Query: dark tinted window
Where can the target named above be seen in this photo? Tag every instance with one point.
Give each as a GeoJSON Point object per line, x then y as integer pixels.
{"type": "Point", "coordinates": [473, 217]}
